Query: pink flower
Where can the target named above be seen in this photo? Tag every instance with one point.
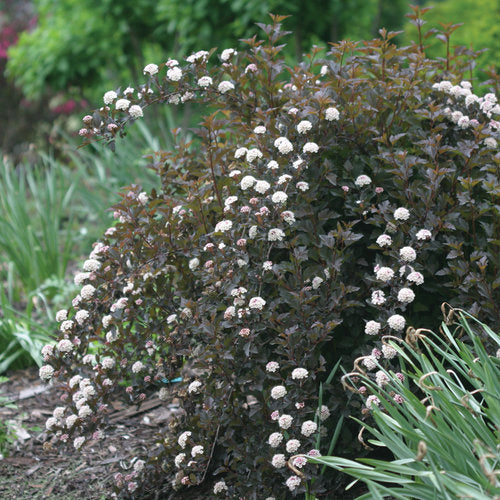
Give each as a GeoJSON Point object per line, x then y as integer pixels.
{"type": "Point", "coordinates": [244, 332]}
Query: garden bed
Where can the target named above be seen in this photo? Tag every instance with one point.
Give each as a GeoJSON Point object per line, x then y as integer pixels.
{"type": "Point", "coordinates": [32, 470]}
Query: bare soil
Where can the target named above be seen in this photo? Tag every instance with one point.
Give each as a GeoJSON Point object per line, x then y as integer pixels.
{"type": "Point", "coordinates": [32, 471]}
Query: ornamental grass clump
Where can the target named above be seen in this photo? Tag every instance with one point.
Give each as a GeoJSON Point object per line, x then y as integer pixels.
{"type": "Point", "coordinates": [440, 420]}
{"type": "Point", "coordinates": [317, 209]}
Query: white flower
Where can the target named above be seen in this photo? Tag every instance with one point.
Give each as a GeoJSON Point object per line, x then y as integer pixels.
{"type": "Point", "coordinates": [275, 234]}
{"type": "Point", "coordinates": [107, 363]}
{"type": "Point", "coordinates": [401, 213]}
{"type": "Point", "coordinates": [310, 147]}
{"type": "Point", "coordinates": [370, 362]}
{"type": "Point", "coordinates": [84, 411]}
{"type": "Point", "coordinates": [316, 282]}
{"type": "Point", "coordinates": [406, 295]}
{"type": "Point", "coordinates": [205, 81]}
{"type": "Point", "coordinates": [137, 367]}
{"type": "Point", "coordinates": [388, 351]}
{"type": "Point", "coordinates": [385, 274]}
{"type": "Point", "coordinates": [372, 327]}
{"type": "Point", "coordinates": [50, 423]}
{"type": "Point", "coordinates": [174, 74]}
{"type": "Point", "coordinates": [415, 277]}
{"type": "Point", "coordinates": [332, 114]}
{"type": "Point", "coordinates": [194, 387]}
{"type": "Point", "coordinates": [47, 351]}
{"type": "Point", "coordinates": [194, 263]}
{"type": "Point", "coordinates": [304, 126]}
{"type": "Point", "coordinates": [257, 303]}
{"type": "Point", "coordinates": [445, 86]}
{"type": "Point", "coordinates": [171, 319]}
{"type": "Point", "coordinates": [66, 326]}
{"type": "Point", "coordinates": [275, 439]}
{"type": "Point", "coordinates": [150, 69]}
{"type": "Point", "coordinates": [372, 401]}
{"type": "Point", "coordinates": [297, 163]}
{"type": "Point", "coordinates": [324, 70]}
{"type": "Point", "coordinates": [183, 439]}
{"type": "Point", "coordinates": [288, 216]}
{"type": "Point", "coordinates": [279, 197]}
{"type": "Point", "coordinates": [293, 445]}
{"type": "Point", "coordinates": [107, 320]}
{"type": "Point", "coordinates": [223, 226]}
{"type": "Point", "coordinates": [303, 186]}
{"type": "Point", "coordinates": [91, 265]}
{"type": "Point", "coordinates": [284, 145]}
{"type": "Point", "coordinates": [87, 292]}
{"type": "Point", "coordinates": [122, 104]}
{"type": "Point", "coordinates": [260, 129]}
{"type": "Point", "coordinates": [283, 179]}
{"type": "Point", "coordinates": [71, 420]}
{"type": "Point", "coordinates": [299, 373]}
{"type": "Point", "coordinates": [252, 232]}
{"type": "Point", "coordinates": [308, 428]}
{"type": "Point", "coordinates": [293, 482]}
{"type": "Point", "coordinates": [278, 392]}
{"type": "Point", "coordinates": [362, 180]}
{"type": "Point", "coordinates": [135, 111]}
{"type": "Point", "coordinates": [423, 234]}
{"type": "Point", "coordinates": [491, 143]}
{"type": "Point", "coordinates": [272, 366]}
{"type": "Point", "coordinates": [109, 97]}
{"type": "Point", "coordinates": [285, 421]}
{"type": "Point", "coordinates": [240, 152]}
{"type": "Point", "coordinates": [396, 322]}
{"type": "Point", "coordinates": [324, 413]}
{"type": "Point", "coordinates": [78, 442]}
{"type": "Point", "coordinates": [253, 154]}
{"type": "Point", "coordinates": [381, 378]}
{"type": "Point", "coordinates": [61, 315]}
{"type": "Point", "coordinates": [80, 278]}
{"type": "Point", "coordinates": [247, 182]}
{"type": "Point", "coordinates": [407, 254]}
{"type": "Point", "coordinates": [273, 165]}
{"type": "Point", "coordinates": [230, 312]}
{"type": "Point", "coordinates": [180, 457]}
{"type": "Point", "coordinates": [262, 186]}
{"type": "Point", "coordinates": [81, 316]}
{"type": "Point", "coordinates": [220, 486]}
{"type": "Point", "coordinates": [227, 53]}
{"type": "Point", "coordinates": [278, 461]}
{"type": "Point", "coordinates": [225, 86]}
{"type": "Point", "coordinates": [65, 345]}
{"type": "Point", "coordinates": [384, 240]}
{"type": "Point", "coordinates": [230, 200]}
{"type": "Point", "coordinates": [197, 450]}
{"type": "Point", "coordinates": [75, 380]}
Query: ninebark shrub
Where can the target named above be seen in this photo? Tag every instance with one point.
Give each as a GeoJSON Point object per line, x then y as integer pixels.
{"type": "Point", "coordinates": [317, 208]}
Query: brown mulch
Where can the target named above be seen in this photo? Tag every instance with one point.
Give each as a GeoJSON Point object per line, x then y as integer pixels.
{"type": "Point", "coordinates": [30, 471]}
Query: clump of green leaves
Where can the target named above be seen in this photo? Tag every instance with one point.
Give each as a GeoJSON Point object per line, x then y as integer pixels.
{"type": "Point", "coordinates": [444, 433]}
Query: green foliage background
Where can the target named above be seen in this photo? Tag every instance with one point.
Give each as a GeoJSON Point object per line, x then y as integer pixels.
{"type": "Point", "coordinates": [90, 44]}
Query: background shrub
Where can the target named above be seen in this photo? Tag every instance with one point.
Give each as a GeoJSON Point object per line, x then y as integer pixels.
{"type": "Point", "coordinates": [252, 270]}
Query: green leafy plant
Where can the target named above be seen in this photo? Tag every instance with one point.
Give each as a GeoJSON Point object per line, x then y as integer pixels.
{"type": "Point", "coordinates": [7, 436]}
{"type": "Point", "coordinates": [316, 209]}
{"type": "Point", "coordinates": [444, 428]}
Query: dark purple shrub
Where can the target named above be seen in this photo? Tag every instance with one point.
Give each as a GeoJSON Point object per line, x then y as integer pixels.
{"type": "Point", "coordinates": [318, 208]}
